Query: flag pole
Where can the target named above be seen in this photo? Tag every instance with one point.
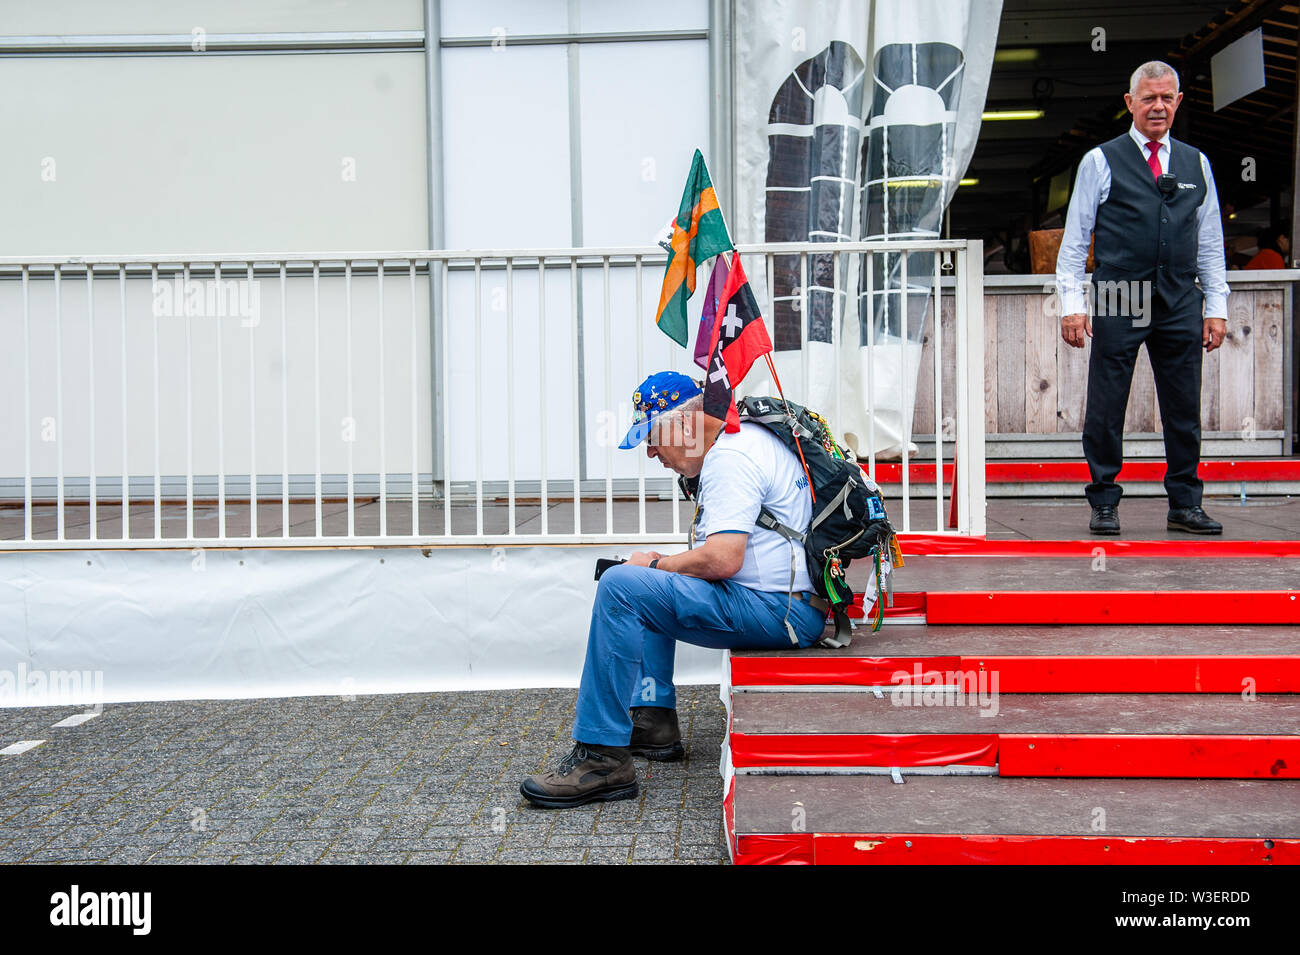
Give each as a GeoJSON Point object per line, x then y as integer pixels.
{"type": "Point", "coordinates": [727, 257]}
{"type": "Point", "coordinates": [767, 356]}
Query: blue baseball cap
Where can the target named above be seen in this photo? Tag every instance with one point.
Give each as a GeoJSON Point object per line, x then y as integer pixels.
{"type": "Point", "coordinates": [662, 391]}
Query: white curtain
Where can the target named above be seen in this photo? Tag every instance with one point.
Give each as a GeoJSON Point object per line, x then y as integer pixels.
{"type": "Point", "coordinates": [854, 121]}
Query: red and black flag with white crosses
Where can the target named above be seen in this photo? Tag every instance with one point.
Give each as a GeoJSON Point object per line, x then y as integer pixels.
{"type": "Point", "coordinates": [739, 339]}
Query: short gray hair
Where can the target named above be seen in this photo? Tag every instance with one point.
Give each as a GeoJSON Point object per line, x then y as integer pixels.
{"type": "Point", "coordinates": [682, 411]}
{"type": "Point", "coordinates": [1152, 70]}
{"type": "Point", "coordinates": [691, 405]}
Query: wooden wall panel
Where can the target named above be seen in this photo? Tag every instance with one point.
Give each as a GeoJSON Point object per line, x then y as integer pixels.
{"type": "Point", "coordinates": [991, 363]}
{"type": "Point", "coordinates": [1157, 422]}
{"type": "Point", "coordinates": [1268, 359]}
{"type": "Point", "coordinates": [1237, 366]}
{"type": "Point", "coordinates": [948, 307]}
{"type": "Point", "coordinates": [923, 410]}
{"type": "Point", "coordinates": [1210, 390]}
{"type": "Point", "coordinates": [1140, 414]}
{"type": "Point", "coordinates": [1071, 383]}
{"type": "Point", "coordinates": [1036, 384]}
{"type": "Point", "coordinates": [923, 413]}
{"type": "Point", "coordinates": [1042, 331]}
{"type": "Point", "coordinates": [1012, 312]}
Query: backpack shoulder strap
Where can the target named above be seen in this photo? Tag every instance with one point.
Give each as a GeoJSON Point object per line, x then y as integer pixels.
{"type": "Point", "coordinates": [765, 519]}
{"type": "Point", "coordinates": [843, 634]}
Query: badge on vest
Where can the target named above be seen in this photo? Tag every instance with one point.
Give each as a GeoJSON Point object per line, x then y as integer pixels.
{"type": "Point", "coordinates": [1187, 185]}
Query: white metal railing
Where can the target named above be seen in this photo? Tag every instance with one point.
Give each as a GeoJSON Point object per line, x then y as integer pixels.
{"type": "Point", "coordinates": [377, 398]}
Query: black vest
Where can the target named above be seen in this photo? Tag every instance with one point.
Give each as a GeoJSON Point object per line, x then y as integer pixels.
{"type": "Point", "coordinates": [1142, 235]}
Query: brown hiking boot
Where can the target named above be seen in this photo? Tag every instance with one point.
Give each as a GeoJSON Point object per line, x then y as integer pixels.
{"type": "Point", "coordinates": [655, 734]}
{"type": "Point", "coordinates": [589, 773]}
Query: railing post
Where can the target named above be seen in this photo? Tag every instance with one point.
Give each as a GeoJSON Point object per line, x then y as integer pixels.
{"type": "Point", "coordinates": [970, 372]}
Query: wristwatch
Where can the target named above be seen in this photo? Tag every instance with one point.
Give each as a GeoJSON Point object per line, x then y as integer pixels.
{"type": "Point", "coordinates": [654, 564]}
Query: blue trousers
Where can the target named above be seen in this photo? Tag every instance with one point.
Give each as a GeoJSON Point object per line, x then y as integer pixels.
{"type": "Point", "coordinates": [639, 616]}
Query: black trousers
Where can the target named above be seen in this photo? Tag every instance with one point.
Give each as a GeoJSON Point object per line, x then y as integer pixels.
{"type": "Point", "coordinates": [1173, 342]}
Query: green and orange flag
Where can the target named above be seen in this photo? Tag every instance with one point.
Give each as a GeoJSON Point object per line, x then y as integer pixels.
{"type": "Point", "coordinates": [698, 234]}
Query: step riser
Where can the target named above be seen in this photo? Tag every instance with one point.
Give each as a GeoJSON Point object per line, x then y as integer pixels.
{"type": "Point", "coordinates": [1228, 472]}
{"type": "Point", "coordinates": [1205, 757]}
{"type": "Point", "coordinates": [1026, 607]}
{"type": "Point", "coordinates": [917, 544]}
{"type": "Point", "coordinates": [856, 671]}
{"type": "Point", "coordinates": [904, 605]}
{"type": "Point", "coordinates": [853, 749]}
{"type": "Point", "coordinates": [930, 849]}
{"type": "Point", "coordinates": [1124, 607]}
{"type": "Point", "coordinates": [926, 849]}
{"type": "Point", "coordinates": [1037, 674]}
{"type": "Point", "coordinates": [1037, 755]}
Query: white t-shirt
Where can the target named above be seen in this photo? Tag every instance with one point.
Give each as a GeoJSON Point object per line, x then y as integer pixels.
{"type": "Point", "coordinates": [743, 473]}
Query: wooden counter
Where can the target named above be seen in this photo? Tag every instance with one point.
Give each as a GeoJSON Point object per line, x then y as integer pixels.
{"type": "Point", "coordinates": [1035, 385]}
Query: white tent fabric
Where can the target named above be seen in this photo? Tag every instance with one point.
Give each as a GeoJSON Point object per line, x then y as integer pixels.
{"type": "Point", "coordinates": [854, 121]}
{"type": "Point", "coordinates": [109, 626]}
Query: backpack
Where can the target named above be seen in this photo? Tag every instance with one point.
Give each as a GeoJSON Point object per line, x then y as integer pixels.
{"type": "Point", "coordinates": [848, 514]}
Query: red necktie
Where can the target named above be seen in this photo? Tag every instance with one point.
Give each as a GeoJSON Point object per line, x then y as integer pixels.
{"type": "Point", "coordinates": [1154, 160]}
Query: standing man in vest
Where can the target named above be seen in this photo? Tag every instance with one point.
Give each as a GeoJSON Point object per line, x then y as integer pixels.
{"type": "Point", "coordinates": [1150, 203]}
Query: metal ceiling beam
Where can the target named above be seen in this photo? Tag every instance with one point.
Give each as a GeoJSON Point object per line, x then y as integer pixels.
{"type": "Point", "coordinates": [1035, 21]}
{"type": "Point", "coordinates": [1250, 16]}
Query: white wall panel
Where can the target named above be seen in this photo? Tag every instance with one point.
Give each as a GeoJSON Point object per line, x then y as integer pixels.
{"type": "Point", "coordinates": [638, 135]}
{"type": "Point", "coordinates": [506, 147]}
{"type": "Point", "coordinates": [474, 412]}
{"type": "Point", "coordinates": [269, 365]}
{"type": "Point", "coordinates": [609, 412]}
{"type": "Point", "coordinates": [43, 18]}
{"type": "Point", "coordinates": [483, 17]}
{"type": "Point", "coordinates": [482, 412]}
{"type": "Point", "coordinates": [610, 16]}
{"type": "Point", "coordinates": [213, 153]}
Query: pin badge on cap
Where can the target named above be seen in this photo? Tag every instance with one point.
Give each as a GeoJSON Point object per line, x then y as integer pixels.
{"type": "Point", "coordinates": [660, 393]}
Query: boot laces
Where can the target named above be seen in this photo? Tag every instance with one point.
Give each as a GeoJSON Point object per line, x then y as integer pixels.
{"type": "Point", "coordinates": [576, 756]}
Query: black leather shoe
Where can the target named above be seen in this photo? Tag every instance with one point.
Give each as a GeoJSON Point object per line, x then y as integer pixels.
{"type": "Point", "coordinates": [655, 734]}
{"type": "Point", "coordinates": [1105, 520]}
{"type": "Point", "coordinates": [1193, 520]}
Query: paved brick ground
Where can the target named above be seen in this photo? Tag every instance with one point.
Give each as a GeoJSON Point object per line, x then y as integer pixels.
{"type": "Point", "coordinates": [411, 778]}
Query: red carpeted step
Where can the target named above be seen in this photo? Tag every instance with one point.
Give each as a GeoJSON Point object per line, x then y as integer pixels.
{"type": "Point", "coordinates": [1104, 658]}
{"type": "Point", "coordinates": [1101, 574]}
{"type": "Point", "coordinates": [917, 545]}
{"type": "Point", "coordinates": [1266, 607]}
{"type": "Point", "coordinates": [1122, 710]}
{"type": "Point", "coordinates": [1087, 606]}
{"type": "Point", "coordinates": [954, 819]}
{"type": "Point", "coordinates": [1076, 472]}
{"type": "Point", "coordinates": [1068, 590]}
{"type": "Point", "coordinates": [1209, 736]}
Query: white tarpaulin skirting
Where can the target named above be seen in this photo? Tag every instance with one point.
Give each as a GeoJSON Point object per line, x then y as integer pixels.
{"type": "Point", "coordinates": [112, 626]}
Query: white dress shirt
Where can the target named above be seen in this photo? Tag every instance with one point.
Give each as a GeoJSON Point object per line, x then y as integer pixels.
{"type": "Point", "coordinates": [1092, 186]}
